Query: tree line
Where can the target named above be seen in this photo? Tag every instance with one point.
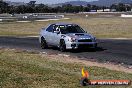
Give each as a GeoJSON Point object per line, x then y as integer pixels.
{"type": "Point", "coordinates": [32, 7]}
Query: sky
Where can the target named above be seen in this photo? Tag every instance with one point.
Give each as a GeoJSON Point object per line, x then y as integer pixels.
{"type": "Point", "coordinates": [47, 1]}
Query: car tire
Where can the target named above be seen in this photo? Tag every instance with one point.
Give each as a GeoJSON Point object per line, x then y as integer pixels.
{"type": "Point", "coordinates": [62, 46]}
{"type": "Point", "coordinates": [43, 43]}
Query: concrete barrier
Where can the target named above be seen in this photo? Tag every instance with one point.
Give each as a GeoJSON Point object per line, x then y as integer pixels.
{"type": "Point", "coordinates": [126, 16]}
{"type": "Point", "coordinates": [29, 17]}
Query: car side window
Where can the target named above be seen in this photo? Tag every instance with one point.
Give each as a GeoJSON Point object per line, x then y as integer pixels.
{"type": "Point", "coordinates": [56, 28]}
{"type": "Point", "coordinates": [50, 28]}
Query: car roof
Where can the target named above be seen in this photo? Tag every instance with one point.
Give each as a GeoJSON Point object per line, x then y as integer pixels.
{"type": "Point", "coordinates": [64, 24]}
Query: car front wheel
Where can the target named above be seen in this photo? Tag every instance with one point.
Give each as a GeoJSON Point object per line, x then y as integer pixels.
{"type": "Point", "coordinates": [62, 46]}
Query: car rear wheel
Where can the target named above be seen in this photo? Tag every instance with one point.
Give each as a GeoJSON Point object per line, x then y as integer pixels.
{"type": "Point", "coordinates": [62, 46]}
{"type": "Point", "coordinates": [43, 43]}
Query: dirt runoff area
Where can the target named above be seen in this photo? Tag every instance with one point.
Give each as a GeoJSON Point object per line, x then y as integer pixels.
{"type": "Point", "coordinates": [69, 59]}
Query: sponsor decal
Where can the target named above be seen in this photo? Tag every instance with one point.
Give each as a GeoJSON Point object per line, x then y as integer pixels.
{"type": "Point", "coordinates": [84, 38]}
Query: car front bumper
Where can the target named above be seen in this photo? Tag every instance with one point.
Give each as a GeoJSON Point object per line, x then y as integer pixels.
{"type": "Point", "coordinates": [76, 45]}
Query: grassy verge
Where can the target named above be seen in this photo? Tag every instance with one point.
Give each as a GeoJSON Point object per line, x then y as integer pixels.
{"type": "Point", "coordinates": [21, 69]}
{"type": "Point", "coordinates": [100, 27]}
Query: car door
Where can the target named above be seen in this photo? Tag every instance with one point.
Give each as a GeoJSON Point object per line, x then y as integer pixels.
{"type": "Point", "coordinates": [55, 36]}
{"type": "Point", "coordinates": [49, 32]}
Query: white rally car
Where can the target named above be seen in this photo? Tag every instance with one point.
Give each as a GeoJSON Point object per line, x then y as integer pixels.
{"type": "Point", "coordinates": [66, 36]}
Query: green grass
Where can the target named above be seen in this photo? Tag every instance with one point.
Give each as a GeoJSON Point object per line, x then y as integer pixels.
{"type": "Point", "coordinates": [100, 27]}
{"type": "Point", "coordinates": [22, 69]}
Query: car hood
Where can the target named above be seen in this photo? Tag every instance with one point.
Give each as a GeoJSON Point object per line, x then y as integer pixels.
{"type": "Point", "coordinates": [80, 35]}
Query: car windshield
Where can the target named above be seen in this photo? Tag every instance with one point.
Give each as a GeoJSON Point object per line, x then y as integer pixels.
{"type": "Point", "coordinates": [71, 29]}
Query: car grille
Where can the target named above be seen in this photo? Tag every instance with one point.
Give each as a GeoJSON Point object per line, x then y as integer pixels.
{"type": "Point", "coordinates": [85, 40]}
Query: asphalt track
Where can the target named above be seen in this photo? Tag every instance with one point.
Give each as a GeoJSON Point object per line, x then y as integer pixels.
{"type": "Point", "coordinates": [118, 51]}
